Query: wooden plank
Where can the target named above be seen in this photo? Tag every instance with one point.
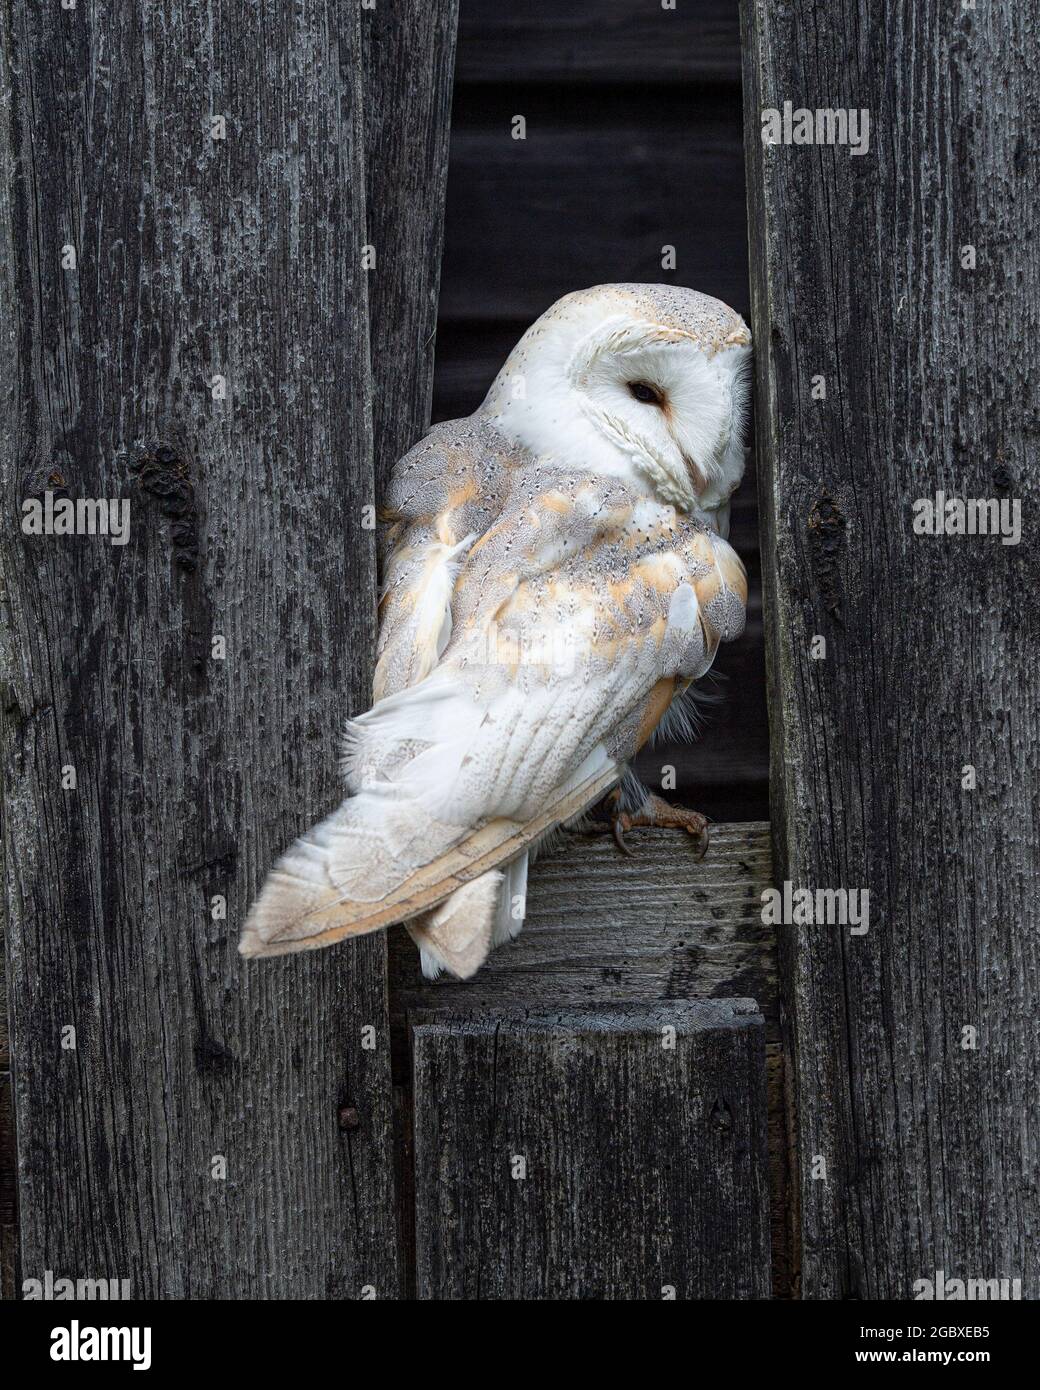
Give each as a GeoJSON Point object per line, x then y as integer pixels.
{"type": "Point", "coordinates": [8, 1158]}
{"type": "Point", "coordinates": [599, 41]}
{"type": "Point", "coordinates": [5, 1039]}
{"type": "Point", "coordinates": [8, 1192]}
{"type": "Point", "coordinates": [927, 1131]}
{"type": "Point", "coordinates": [604, 930]}
{"type": "Point", "coordinates": [592, 1155]}
{"type": "Point", "coordinates": [196, 258]}
{"type": "Point", "coordinates": [409, 53]}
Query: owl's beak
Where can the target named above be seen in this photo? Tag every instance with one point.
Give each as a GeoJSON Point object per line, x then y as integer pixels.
{"type": "Point", "coordinates": [696, 477]}
{"type": "Point", "coordinates": [716, 514]}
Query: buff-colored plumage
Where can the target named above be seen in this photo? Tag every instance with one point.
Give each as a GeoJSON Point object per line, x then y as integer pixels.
{"type": "Point", "coordinates": [554, 574]}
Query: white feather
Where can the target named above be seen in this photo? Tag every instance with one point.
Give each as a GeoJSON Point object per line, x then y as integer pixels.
{"type": "Point", "coordinates": [512, 902]}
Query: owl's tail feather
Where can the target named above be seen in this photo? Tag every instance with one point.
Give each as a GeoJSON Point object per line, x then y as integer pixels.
{"type": "Point", "coordinates": [381, 859]}
{"type": "Point", "coordinates": [458, 935]}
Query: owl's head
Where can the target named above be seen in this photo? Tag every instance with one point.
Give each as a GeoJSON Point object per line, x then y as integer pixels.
{"type": "Point", "coordinates": [653, 377]}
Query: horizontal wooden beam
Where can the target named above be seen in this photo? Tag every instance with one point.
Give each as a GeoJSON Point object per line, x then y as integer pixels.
{"type": "Point", "coordinates": [599, 41]}
{"type": "Point", "coordinates": [605, 929]}
{"type": "Point", "coordinates": [578, 202]}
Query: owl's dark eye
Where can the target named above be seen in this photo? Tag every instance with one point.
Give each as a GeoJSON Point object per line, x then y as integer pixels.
{"type": "Point", "coordinates": [644, 392]}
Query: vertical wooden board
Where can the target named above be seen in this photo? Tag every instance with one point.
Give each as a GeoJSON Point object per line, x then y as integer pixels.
{"type": "Point", "coordinates": [409, 50]}
{"type": "Point", "coordinates": [581, 1156]}
{"type": "Point", "coordinates": [913, 1048]}
{"type": "Point", "coordinates": [196, 259]}
{"type": "Point", "coordinates": [8, 1193]}
{"type": "Point", "coordinates": [8, 1187]}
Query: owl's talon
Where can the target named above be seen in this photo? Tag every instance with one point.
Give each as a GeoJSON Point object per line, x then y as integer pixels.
{"type": "Point", "coordinates": [619, 823]}
{"type": "Point", "coordinates": [609, 813]}
{"type": "Point", "coordinates": [657, 812]}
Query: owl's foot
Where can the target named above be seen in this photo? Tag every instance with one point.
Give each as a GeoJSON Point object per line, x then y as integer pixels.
{"type": "Point", "coordinates": [655, 811]}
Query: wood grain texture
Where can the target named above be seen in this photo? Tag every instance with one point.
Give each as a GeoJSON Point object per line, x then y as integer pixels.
{"type": "Point", "coordinates": [8, 1192]}
{"type": "Point", "coordinates": [604, 930]}
{"type": "Point", "coordinates": [196, 258]}
{"type": "Point", "coordinates": [600, 41]}
{"type": "Point", "coordinates": [932, 1147]}
{"type": "Point", "coordinates": [645, 1166]}
{"type": "Point", "coordinates": [5, 1040]}
{"type": "Point", "coordinates": [409, 57]}
{"type": "Point", "coordinates": [9, 1243]}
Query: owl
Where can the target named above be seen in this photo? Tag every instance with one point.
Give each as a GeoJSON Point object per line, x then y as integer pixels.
{"type": "Point", "coordinates": [555, 574]}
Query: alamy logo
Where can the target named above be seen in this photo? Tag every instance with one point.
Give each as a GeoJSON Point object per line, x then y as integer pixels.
{"type": "Point", "coordinates": [80, 516]}
{"type": "Point", "coordinates": [969, 516]}
{"type": "Point", "coordinates": [60, 1289]}
{"type": "Point", "coordinates": [791, 125]}
{"type": "Point", "coordinates": [940, 1289]}
{"type": "Point", "coordinates": [79, 1343]}
{"type": "Point", "coordinates": [560, 649]}
{"type": "Point", "coordinates": [817, 907]}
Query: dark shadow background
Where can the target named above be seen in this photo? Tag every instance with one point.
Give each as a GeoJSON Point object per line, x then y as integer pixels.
{"type": "Point", "coordinates": [634, 142]}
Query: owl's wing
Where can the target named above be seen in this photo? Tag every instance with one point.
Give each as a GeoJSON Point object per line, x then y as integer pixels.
{"type": "Point", "coordinates": [572, 615]}
{"type": "Point", "coordinates": [443, 495]}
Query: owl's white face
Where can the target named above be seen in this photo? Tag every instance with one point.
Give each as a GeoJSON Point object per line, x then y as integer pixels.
{"type": "Point", "coordinates": [633, 377]}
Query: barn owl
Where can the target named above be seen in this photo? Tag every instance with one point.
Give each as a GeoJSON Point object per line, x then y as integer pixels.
{"type": "Point", "coordinates": [555, 574]}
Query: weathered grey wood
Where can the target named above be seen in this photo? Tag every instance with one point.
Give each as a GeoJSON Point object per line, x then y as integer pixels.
{"type": "Point", "coordinates": [599, 41]}
{"type": "Point", "coordinates": [644, 1165]}
{"type": "Point", "coordinates": [409, 55]}
{"type": "Point", "coordinates": [196, 258]}
{"type": "Point", "coordinates": [8, 1192]}
{"type": "Point", "coordinates": [5, 1038]}
{"type": "Point", "coordinates": [931, 1145]}
{"type": "Point", "coordinates": [602, 929]}
{"type": "Point", "coordinates": [8, 1158]}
